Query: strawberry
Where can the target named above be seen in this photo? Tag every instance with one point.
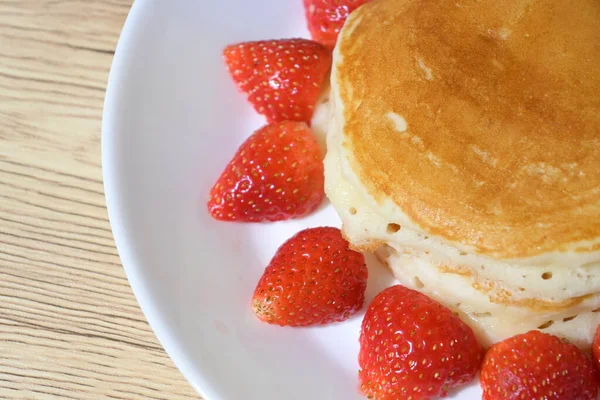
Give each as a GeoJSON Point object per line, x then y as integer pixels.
{"type": "Point", "coordinates": [282, 78]}
{"type": "Point", "coordinates": [325, 18]}
{"type": "Point", "coordinates": [596, 351]}
{"type": "Point", "coordinates": [537, 365]}
{"type": "Point", "coordinates": [314, 278]}
{"type": "Point", "coordinates": [412, 347]}
{"type": "Point", "coordinates": [276, 174]}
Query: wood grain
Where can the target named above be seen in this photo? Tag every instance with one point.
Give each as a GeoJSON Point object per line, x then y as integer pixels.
{"type": "Point", "coordinates": [70, 327]}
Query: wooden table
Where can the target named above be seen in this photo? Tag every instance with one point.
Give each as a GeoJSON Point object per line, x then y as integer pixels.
{"type": "Point", "coordinates": [70, 327]}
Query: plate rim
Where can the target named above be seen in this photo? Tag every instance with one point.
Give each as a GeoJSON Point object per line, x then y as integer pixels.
{"type": "Point", "coordinates": [113, 198]}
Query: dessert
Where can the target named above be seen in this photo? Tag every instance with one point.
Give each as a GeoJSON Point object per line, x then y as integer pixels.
{"type": "Point", "coordinates": [464, 146]}
{"type": "Point", "coordinates": [313, 279]}
{"type": "Point", "coordinates": [536, 365]}
{"type": "Point", "coordinates": [412, 347]}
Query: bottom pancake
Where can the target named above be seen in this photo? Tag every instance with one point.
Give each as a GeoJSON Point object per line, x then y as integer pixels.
{"type": "Point", "coordinates": [490, 321]}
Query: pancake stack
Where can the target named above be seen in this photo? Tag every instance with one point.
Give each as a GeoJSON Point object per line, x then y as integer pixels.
{"type": "Point", "coordinates": [464, 148]}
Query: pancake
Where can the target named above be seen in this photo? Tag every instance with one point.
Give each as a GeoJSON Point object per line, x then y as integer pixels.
{"type": "Point", "coordinates": [465, 137]}
{"type": "Point", "coordinates": [478, 120]}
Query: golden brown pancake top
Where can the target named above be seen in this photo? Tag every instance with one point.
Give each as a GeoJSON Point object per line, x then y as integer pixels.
{"type": "Point", "coordinates": [501, 101]}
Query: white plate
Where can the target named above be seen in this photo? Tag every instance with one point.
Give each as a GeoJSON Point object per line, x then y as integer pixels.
{"type": "Point", "coordinates": [172, 120]}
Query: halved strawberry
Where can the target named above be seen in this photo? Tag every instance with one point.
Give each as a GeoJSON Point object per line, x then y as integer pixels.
{"type": "Point", "coordinates": [596, 351]}
{"type": "Point", "coordinates": [325, 18]}
{"type": "Point", "coordinates": [412, 347]}
{"type": "Point", "coordinates": [314, 278]}
{"type": "Point", "coordinates": [537, 365]}
{"type": "Point", "coordinates": [276, 174]}
{"type": "Point", "coordinates": [282, 78]}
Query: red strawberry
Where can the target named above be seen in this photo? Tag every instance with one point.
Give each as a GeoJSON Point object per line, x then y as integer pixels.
{"type": "Point", "coordinates": [282, 78]}
{"type": "Point", "coordinates": [596, 351]}
{"type": "Point", "coordinates": [537, 365]}
{"type": "Point", "coordinates": [276, 174]}
{"type": "Point", "coordinates": [325, 18]}
{"type": "Point", "coordinates": [412, 347]}
{"type": "Point", "coordinates": [314, 278]}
